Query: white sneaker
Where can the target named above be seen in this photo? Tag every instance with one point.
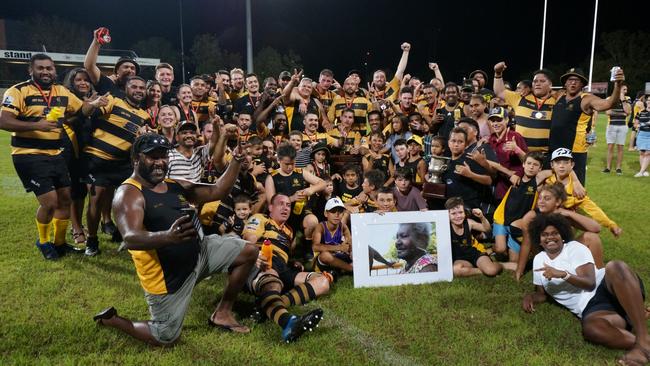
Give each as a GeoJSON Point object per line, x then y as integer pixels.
{"type": "Point", "coordinates": [638, 175]}
{"type": "Point", "coordinates": [646, 174]}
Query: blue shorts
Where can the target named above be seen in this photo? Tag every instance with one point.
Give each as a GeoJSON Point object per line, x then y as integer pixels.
{"type": "Point", "coordinates": [498, 229]}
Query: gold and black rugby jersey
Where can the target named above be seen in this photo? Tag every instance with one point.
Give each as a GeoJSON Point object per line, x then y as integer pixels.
{"type": "Point", "coordinates": [360, 105]}
{"type": "Point", "coordinates": [26, 103]}
{"type": "Point", "coordinates": [115, 129]}
{"type": "Point", "coordinates": [532, 118]}
{"type": "Point", "coordinates": [264, 228]}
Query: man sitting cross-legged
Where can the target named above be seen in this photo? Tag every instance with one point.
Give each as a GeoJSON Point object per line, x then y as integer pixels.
{"type": "Point", "coordinates": [284, 283]}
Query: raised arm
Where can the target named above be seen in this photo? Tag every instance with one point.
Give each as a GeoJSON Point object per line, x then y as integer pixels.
{"type": "Point", "coordinates": [497, 85]}
{"type": "Point", "coordinates": [436, 71]}
{"type": "Point", "coordinates": [199, 194]}
{"type": "Point", "coordinates": [401, 66]}
{"type": "Point", "coordinates": [593, 103]}
{"type": "Point", "coordinates": [90, 62]}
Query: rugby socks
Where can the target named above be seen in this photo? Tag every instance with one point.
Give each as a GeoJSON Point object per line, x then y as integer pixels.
{"type": "Point", "coordinates": [273, 307]}
{"type": "Point", "coordinates": [60, 226]}
{"type": "Point", "coordinates": [299, 295]}
{"type": "Point", "coordinates": [43, 231]}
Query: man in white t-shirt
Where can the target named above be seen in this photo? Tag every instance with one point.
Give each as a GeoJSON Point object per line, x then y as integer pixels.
{"type": "Point", "coordinates": [186, 160]}
{"type": "Point", "coordinates": [608, 300]}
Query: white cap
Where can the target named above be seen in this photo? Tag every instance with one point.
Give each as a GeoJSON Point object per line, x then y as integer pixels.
{"type": "Point", "coordinates": [333, 203]}
{"type": "Point", "coordinates": [561, 153]}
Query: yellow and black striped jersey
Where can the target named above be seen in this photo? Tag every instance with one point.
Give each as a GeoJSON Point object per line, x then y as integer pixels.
{"type": "Point", "coordinates": [26, 103]}
{"type": "Point", "coordinates": [203, 109]}
{"type": "Point", "coordinates": [360, 105]}
{"type": "Point", "coordinates": [391, 91]}
{"type": "Point", "coordinates": [532, 118]}
{"type": "Point", "coordinates": [296, 120]}
{"type": "Point", "coordinates": [280, 236]}
{"type": "Point", "coordinates": [318, 137]}
{"type": "Point", "coordinates": [325, 99]}
{"type": "Point", "coordinates": [115, 129]}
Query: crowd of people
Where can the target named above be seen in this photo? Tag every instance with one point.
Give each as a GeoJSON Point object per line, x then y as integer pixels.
{"type": "Point", "coordinates": [215, 175]}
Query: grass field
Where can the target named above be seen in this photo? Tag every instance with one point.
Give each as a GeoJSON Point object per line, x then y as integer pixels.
{"type": "Point", "coordinates": [46, 307]}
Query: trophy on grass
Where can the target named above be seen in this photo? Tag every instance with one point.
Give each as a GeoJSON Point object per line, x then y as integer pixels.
{"type": "Point", "coordinates": [434, 187]}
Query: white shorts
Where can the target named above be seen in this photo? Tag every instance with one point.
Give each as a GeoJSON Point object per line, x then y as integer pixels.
{"type": "Point", "coordinates": [616, 134]}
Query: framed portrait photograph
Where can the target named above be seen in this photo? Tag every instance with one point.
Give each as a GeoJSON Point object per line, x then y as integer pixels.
{"type": "Point", "coordinates": [399, 248]}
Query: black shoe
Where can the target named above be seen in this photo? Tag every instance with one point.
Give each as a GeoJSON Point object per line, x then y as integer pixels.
{"type": "Point", "coordinates": [105, 314]}
{"type": "Point", "coordinates": [48, 250]}
{"type": "Point", "coordinates": [92, 246]}
{"type": "Point", "coordinates": [606, 170]}
{"type": "Point", "coordinates": [108, 228]}
{"type": "Point", "coordinates": [619, 172]}
{"type": "Point", "coordinates": [258, 315]}
{"type": "Point", "coordinates": [299, 325]}
{"type": "Point", "coordinates": [66, 248]}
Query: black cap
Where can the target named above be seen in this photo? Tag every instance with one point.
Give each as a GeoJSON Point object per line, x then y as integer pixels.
{"type": "Point", "coordinates": [122, 60]}
{"type": "Point", "coordinates": [354, 71]}
{"type": "Point", "coordinates": [574, 71]}
{"type": "Point", "coordinates": [320, 146]}
{"type": "Point", "coordinates": [149, 142]}
{"type": "Point", "coordinates": [467, 85]}
{"type": "Point", "coordinates": [285, 75]}
{"type": "Point", "coordinates": [473, 73]}
{"type": "Point", "coordinates": [186, 125]}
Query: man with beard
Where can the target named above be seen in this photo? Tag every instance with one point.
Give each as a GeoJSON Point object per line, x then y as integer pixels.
{"type": "Point", "coordinates": [107, 153]}
{"type": "Point", "coordinates": [249, 100]}
{"type": "Point", "coordinates": [201, 105]}
{"type": "Point", "coordinates": [165, 76]}
{"type": "Point", "coordinates": [428, 104]}
{"type": "Point", "coordinates": [533, 112]}
{"type": "Point", "coordinates": [36, 147]}
{"type": "Point", "coordinates": [311, 136]}
{"type": "Point", "coordinates": [167, 246]}
{"type": "Point", "coordinates": [404, 104]}
{"type": "Point", "coordinates": [186, 161]}
{"type": "Point", "coordinates": [382, 90]}
{"type": "Point", "coordinates": [351, 101]}
{"type": "Point", "coordinates": [572, 116]}
{"type": "Point", "coordinates": [222, 88]}
{"type": "Point", "coordinates": [123, 70]}
{"type": "Point", "coordinates": [481, 77]}
{"type": "Point", "coordinates": [451, 112]}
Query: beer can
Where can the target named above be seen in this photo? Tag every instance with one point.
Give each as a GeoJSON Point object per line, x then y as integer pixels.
{"type": "Point", "coordinates": [613, 72]}
{"type": "Point", "coordinates": [103, 36]}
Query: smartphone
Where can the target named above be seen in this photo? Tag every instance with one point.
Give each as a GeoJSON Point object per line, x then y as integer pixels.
{"type": "Point", "coordinates": [194, 218]}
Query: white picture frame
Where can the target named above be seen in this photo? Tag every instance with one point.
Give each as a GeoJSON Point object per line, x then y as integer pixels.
{"type": "Point", "coordinates": [379, 232]}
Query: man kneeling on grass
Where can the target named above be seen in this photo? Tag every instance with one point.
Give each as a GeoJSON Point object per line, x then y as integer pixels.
{"type": "Point", "coordinates": [284, 283]}
{"type": "Point", "coordinates": [168, 250]}
{"type": "Point", "coordinates": [608, 300]}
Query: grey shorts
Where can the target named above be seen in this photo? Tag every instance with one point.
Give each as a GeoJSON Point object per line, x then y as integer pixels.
{"type": "Point", "coordinates": [616, 134]}
{"type": "Point", "coordinates": [168, 310]}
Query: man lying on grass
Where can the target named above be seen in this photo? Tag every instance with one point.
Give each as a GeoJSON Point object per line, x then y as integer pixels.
{"type": "Point", "coordinates": [608, 300]}
{"type": "Point", "coordinates": [169, 254]}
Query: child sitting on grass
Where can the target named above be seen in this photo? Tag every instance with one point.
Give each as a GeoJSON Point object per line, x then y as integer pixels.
{"type": "Point", "coordinates": [562, 165]}
{"type": "Point", "coordinates": [331, 238]}
{"type": "Point", "coordinates": [468, 260]}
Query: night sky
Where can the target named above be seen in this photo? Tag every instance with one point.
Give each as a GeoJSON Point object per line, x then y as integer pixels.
{"type": "Point", "coordinates": [343, 34]}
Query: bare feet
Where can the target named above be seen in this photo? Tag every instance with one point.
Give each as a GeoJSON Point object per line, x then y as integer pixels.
{"type": "Point", "coordinates": [636, 356]}
{"type": "Point", "coordinates": [226, 321]}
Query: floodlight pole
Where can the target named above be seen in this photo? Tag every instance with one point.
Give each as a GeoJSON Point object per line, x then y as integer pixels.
{"type": "Point", "coordinates": [593, 46]}
{"type": "Point", "coordinates": [541, 57]}
{"type": "Point", "coordinates": [249, 38]}
{"type": "Point", "coordinates": [180, 15]}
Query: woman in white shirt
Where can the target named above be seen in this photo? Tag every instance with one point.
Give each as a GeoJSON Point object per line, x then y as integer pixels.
{"type": "Point", "coordinates": [608, 300]}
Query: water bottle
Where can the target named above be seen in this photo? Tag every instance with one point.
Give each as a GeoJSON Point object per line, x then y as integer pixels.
{"type": "Point", "coordinates": [267, 251]}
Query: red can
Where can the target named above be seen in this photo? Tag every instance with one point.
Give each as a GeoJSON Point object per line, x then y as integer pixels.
{"type": "Point", "coordinates": [103, 36]}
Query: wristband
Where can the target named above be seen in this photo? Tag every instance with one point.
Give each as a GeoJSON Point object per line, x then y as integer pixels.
{"type": "Point", "coordinates": [500, 76]}
{"type": "Point", "coordinates": [568, 275]}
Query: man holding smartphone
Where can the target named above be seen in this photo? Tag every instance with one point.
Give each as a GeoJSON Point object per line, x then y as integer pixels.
{"type": "Point", "coordinates": [168, 253]}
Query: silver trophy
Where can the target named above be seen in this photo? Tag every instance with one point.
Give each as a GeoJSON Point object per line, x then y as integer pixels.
{"type": "Point", "coordinates": [437, 166]}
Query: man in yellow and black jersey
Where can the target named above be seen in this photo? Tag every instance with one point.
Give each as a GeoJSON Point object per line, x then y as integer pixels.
{"type": "Point", "coordinates": [534, 111]}
{"type": "Point", "coordinates": [115, 127]}
{"type": "Point", "coordinates": [170, 254]}
{"type": "Point", "coordinates": [250, 100]}
{"type": "Point", "coordinates": [572, 116]}
{"type": "Point", "coordinates": [382, 90]}
{"type": "Point", "coordinates": [349, 141]}
{"type": "Point", "coordinates": [29, 111]}
{"type": "Point", "coordinates": [237, 88]}
{"type": "Point", "coordinates": [283, 283]}
{"type": "Point", "coordinates": [202, 106]}
{"type": "Point", "coordinates": [450, 113]}
{"type": "Point", "coordinates": [321, 90]}
{"type": "Point", "coordinates": [359, 105]}
{"type": "Point", "coordinates": [311, 136]}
